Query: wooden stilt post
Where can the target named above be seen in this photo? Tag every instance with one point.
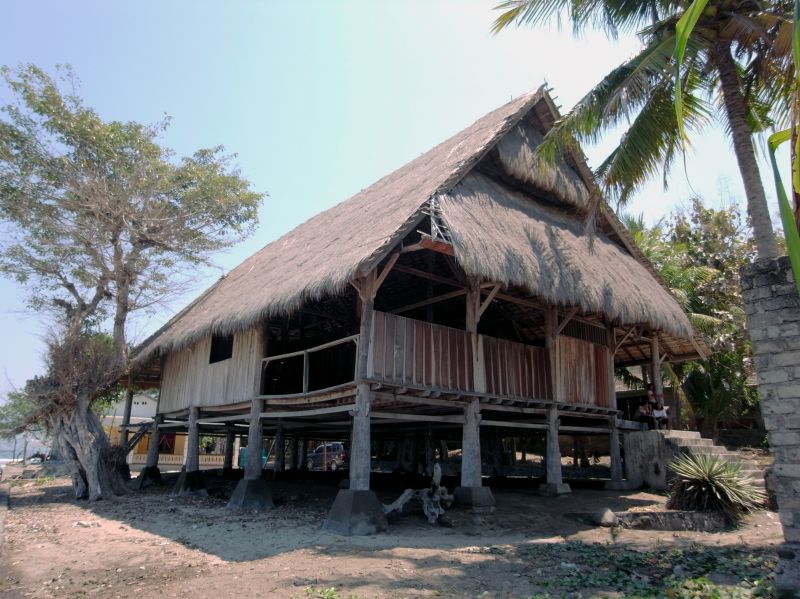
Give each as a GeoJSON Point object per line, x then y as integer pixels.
{"type": "Point", "coordinates": [555, 484]}
{"type": "Point", "coordinates": [360, 458]}
{"type": "Point", "coordinates": [655, 369]}
{"type": "Point", "coordinates": [472, 492]}
{"type": "Point", "coordinates": [252, 492]}
{"type": "Point", "coordinates": [230, 441]}
{"type": "Point", "coordinates": [280, 449]}
{"type": "Point", "coordinates": [193, 441]}
{"type": "Point", "coordinates": [152, 448]}
{"type": "Point", "coordinates": [294, 446]}
{"type": "Point", "coordinates": [303, 454]}
{"type": "Point", "coordinates": [126, 415]}
{"type": "Point", "coordinates": [357, 511]}
{"type": "Point", "coordinates": [255, 442]}
{"type": "Point", "coordinates": [150, 474]}
{"type": "Point", "coordinates": [191, 479]}
{"type": "Point", "coordinates": [613, 421]}
{"type": "Point", "coordinates": [429, 457]}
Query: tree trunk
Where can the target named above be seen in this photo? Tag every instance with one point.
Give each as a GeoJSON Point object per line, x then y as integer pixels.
{"type": "Point", "coordinates": [736, 110]}
{"type": "Point", "coordinates": [84, 434]}
{"type": "Point", "coordinates": [79, 486]}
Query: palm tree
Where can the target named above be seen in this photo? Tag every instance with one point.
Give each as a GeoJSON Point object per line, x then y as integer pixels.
{"type": "Point", "coordinates": [737, 69]}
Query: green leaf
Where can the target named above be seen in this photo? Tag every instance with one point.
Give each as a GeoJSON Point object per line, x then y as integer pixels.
{"type": "Point", "coordinates": [787, 216]}
{"type": "Point", "coordinates": [683, 29]}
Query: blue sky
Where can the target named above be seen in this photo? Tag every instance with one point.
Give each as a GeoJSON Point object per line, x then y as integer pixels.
{"type": "Point", "coordinates": [319, 99]}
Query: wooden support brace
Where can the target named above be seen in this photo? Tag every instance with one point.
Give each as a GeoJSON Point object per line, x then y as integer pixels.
{"type": "Point", "coordinates": [625, 337]}
{"type": "Point", "coordinates": [432, 300]}
{"type": "Point", "coordinates": [488, 299]}
{"type": "Point", "coordinates": [565, 322]}
{"type": "Point", "coordinates": [386, 269]}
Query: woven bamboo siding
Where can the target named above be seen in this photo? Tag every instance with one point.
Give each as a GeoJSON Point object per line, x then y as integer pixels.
{"type": "Point", "coordinates": [516, 370]}
{"type": "Point", "coordinates": [601, 375]}
{"type": "Point", "coordinates": [583, 372]}
{"type": "Point", "coordinates": [412, 352]}
{"type": "Point", "coordinates": [189, 380]}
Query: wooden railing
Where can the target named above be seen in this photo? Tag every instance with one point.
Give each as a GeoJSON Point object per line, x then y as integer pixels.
{"type": "Point", "coordinates": [408, 352]}
{"type": "Point", "coordinates": [305, 353]}
{"type": "Point", "coordinates": [170, 459]}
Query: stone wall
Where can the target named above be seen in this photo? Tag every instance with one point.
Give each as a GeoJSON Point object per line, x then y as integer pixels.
{"type": "Point", "coordinates": [773, 319]}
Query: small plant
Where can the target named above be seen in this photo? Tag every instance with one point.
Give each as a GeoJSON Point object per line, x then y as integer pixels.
{"type": "Point", "coordinates": [708, 483]}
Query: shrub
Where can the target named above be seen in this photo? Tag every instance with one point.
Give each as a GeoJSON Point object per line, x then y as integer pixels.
{"type": "Point", "coordinates": [709, 483]}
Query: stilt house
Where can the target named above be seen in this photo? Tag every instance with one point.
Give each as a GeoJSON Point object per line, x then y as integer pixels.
{"type": "Point", "coordinates": [474, 289]}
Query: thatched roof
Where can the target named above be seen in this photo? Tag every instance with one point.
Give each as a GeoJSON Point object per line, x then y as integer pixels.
{"type": "Point", "coordinates": [500, 235]}
{"type": "Point", "coordinates": [319, 257]}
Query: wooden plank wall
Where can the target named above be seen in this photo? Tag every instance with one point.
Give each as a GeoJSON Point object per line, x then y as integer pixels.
{"type": "Point", "coordinates": [412, 352]}
{"type": "Point", "coordinates": [189, 380]}
{"type": "Point", "coordinates": [583, 372]}
{"type": "Point", "coordinates": [516, 370]}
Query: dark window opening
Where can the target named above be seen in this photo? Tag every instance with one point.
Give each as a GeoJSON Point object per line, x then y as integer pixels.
{"type": "Point", "coordinates": [221, 348]}
{"type": "Point", "coordinates": [326, 368]}
{"type": "Point", "coordinates": [166, 443]}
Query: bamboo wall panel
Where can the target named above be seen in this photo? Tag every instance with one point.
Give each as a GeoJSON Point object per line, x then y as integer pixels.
{"type": "Point", "coordinates": [189, 380]}
{"type": "Point", "coordinates": [411, 352]}
{"type": "Point", "coordinates": [516, 370]}
{"type": "Point", "coordinates": [582, 372]}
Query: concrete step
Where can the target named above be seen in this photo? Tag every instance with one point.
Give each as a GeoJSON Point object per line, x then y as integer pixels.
{"type": "Point", "coordinates": [691, 442]}
{"type": "Point", "coordinates": [681, 434]}
{"type": "Point", "coordinates": [714, 450]}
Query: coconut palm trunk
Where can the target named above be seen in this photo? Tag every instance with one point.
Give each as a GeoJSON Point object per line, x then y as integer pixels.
{"type": "Point", "coordinates": [736, 110]}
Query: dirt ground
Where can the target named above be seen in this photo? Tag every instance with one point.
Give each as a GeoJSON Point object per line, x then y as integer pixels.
{"type": "Point", "coordinates": [153, 545]}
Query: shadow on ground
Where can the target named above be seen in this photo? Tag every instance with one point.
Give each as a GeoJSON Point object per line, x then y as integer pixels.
{"type": "Point", "coordinates": [530, 546]}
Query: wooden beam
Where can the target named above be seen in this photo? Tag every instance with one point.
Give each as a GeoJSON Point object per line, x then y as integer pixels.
{"type": "Point", "coordinates": [489, 299]}
{"type": "Point", "coordinates": [432, 300]}
{"type": "Point", "coordinates": [335, 392]}
{"type": "Point", "coordinates": [565, 322]}
{"type": "Point", "coordinates": [386, 269]}
{"type": "Point", "coordinates": [414, 247]}
{"type": "Point", "coordinates": [624, 338]}
{"type": "Point", "coordinates": [410, 270]}
{"type": "Point", "coordinates": [441, 247]}
{"type": "Point", "coordinates": [304, 413]}
{"type": "Point", "coordinates": [416, 417]}
{"type": "Point", "coordinates": [423, 401]}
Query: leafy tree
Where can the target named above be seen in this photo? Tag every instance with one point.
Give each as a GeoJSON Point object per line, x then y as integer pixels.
{"type": "Point", "coordinates": [699, 252]}
{"type": "Point", "coordinates": [100, 220]}
{"type": "Point", "coordinates": [738, 52]}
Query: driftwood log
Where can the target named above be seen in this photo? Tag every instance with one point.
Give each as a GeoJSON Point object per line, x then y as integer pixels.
{"type": "Point", "coordinates": [435, 500]}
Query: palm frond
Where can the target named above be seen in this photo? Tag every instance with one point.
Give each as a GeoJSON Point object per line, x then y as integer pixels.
{"type": "Point", "coordinates": [616, 98]}
{"type": "Point", "coordinates": [650, 142]}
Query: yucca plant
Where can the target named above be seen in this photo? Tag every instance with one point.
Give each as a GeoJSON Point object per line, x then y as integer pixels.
{"type": "Point", "coordinates": [709, 483]}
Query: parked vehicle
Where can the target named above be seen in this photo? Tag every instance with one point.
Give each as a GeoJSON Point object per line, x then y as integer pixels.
{"type": "Point", "coordinates": [328, 456]}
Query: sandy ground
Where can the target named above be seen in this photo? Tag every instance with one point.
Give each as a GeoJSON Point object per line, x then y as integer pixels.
{"type": "Point", "coordinates": [153, 545]}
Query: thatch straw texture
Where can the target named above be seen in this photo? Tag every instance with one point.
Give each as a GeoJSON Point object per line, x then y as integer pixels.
{"type": "Point", "coordinates": [501, 235]}
{"type": "Point", "coordinates": [516, 151]}
{"type": "Point", "coordinates": [320, 256]}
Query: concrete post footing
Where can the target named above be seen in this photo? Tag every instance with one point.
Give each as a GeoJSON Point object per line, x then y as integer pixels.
{"type": "Point", "coordinates": [553, 489]}
{"type": "Point", "coordinates": [190, 483]}
{"type": "Point", "coordinates": [150, 476]}
{"type": "Point", "coordinates": [356, 513]}
{"type": "Point", "coordinates": [475, 497]}
{"type": "Point", "coordinates": [251, 494]}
